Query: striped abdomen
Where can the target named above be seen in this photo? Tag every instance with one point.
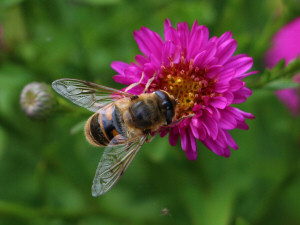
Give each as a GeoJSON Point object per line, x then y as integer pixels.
{"type": "Point", "coordinates": [104, 125]}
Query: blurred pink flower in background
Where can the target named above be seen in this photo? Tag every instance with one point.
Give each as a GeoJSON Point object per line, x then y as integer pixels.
{"type": "Point", "coordinates": [204, 76]}
{"type": "Point", "coordinates": [286, 45]}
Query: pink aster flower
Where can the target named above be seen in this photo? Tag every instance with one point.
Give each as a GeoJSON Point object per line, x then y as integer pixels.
{"type": "Point", "coordinates": [286, 45]}
{"type": "Point", "coordinates": [200, 72]}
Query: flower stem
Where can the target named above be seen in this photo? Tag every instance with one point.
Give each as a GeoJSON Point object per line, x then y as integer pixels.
{"type": "Point", "coordinates": [279, 77]}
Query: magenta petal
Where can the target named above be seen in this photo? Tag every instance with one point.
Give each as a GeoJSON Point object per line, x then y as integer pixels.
{"type": "Point", "coordinates": [122, 79]}
{"type": "Point", "coordinates": [238, 99]}
{"type": "Point", "coordinates": [226, 75]}
{"type": "Point", "coordinates": [241, 95]}
{"type": "Point", "coordinates": [125, 80]}
{"type": "Point", "coordinates": [216, 115]}
{"type": "Point", "coordinates": [208, 110]}
{"type": "Point", "coordinates": [230, 141]}
{"type": "Point", "coordinates": [183, 33]}
{"type": "Point", "coordinates": [133, 72]}
{"type": "Point", "coordinates": [218, 102]}
{"type": "Point", "coordinates": [210, 126]}
{"type": "Point", "coordinates": [173, 136]}
{"type": "Point", "coordinates": [148, 42]}
{"type": "Point", "coordinates": [222, 87]}
{"type": "Point", "coordinates": [218, 146]}
{"type": "Point", "coordinates": [141, 59]}
{"type": "Point", "coordinates": [188, 144]}
{"type": "Point", "coordinates": [171, 35]}
{"type": "Point", "coordinates": [229, 96]}
{"type": "Point", "coordinates": [291, 98]}
{"type": "Point", "coordinates": [242, 76]}
{"type": "Point", "coordinates": [202, 133]}
{"type": "Point", "coordinates": [234, 112]}
{"type": "Point", "coordinates": [195, 132]}
{"type": "Point", "coordinates": [169, 50]}
{"type": "Point", "coordinates": [214, 147]}
{"type": "Point", "coordinates": [167, 24]}
{"type": "Point", "coordinates": [163, 133]}
{"type": "Point", "coordinates": [241, 63]}
{"type": "Point", "coordinates": [245, 114]}
{"type": "Point", "coordinates": [202, 58]}
{"type": "Point", "coordinates": [193, 155]}
{"type": "Point", "coordinates": [196, 41]}
{"type": "Point", "coordinates": [119, 66]}
{"type": "Point", "coordinates": [242, 126]}
{"type": "Point", "coordinates": [224, 37]}
{"type": "Point", "coordinates": [226, 50]}
{"type": "Point", "coordinates": [221, 139]}
{"type": "Point", "coordinates": [184, 140]}
{"type": "Point", "coordinates": [196, 121]}
{"type": "Point", "coordinates": [226, 152]}
{"type": "Point", "coordinates": [236, 84]}
{"type": "Point", "coordinates": [227, 121]}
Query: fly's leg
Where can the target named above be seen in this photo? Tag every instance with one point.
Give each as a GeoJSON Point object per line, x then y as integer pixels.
{"type": "Point", "coordinates": [151, 139]}
{"type": "Point", "coordinates": [177, 121]}
{"type": "Point", "coordinates": [149, 82]}
{"type": "Point", "coordinates": [135, 84]}
{"type": "Point", "coordinates": [138, 83]}
{"type": "Point", "coordinates": [134, 97]}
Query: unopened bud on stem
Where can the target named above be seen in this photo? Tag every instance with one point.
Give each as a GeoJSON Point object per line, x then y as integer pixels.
{"type": "Point", "coordinates": [37, 100]}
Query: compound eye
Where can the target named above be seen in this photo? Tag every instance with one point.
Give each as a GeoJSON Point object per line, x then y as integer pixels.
{"type": "Point", "coordinates": [169, 117]}
{"type": "Point", "coordinates": [167, 105]}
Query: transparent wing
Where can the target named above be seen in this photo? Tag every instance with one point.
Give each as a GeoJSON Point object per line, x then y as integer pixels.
{"type": "Point", "coordinates": [86, 94]}
{"type": "Point", "coordinates": [114, 162]}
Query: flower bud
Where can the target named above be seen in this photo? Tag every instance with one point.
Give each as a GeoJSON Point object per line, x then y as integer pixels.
{"type": "Point", "coordinates": [37, 100]}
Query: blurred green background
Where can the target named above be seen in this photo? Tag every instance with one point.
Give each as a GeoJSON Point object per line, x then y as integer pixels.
{"type": "Point", "coordinates": [47, 167]}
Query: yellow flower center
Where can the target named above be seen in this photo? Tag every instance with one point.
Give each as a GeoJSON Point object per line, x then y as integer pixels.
{"type": "Point", "coordinates": [188, 84]}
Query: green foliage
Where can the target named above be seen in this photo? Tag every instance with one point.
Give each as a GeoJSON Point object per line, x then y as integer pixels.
{"type": "Point", "coordinates": [47, 167]}
{"type": "Point", "coordinates": [279, 77]}
{"type": "Point", "coordinates": [98, 2]}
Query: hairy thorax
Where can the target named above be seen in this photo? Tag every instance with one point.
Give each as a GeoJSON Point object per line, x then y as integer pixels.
{"type": "Point", "coordinates": [141, 114]}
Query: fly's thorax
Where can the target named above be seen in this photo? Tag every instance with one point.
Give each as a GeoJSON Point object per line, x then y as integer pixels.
{"type": "Point", "coordinates": [144, 113]}
{"type": "Point", "coordinates": [124, 120]}
{"type": "Point", "coordinates": [122, 111]}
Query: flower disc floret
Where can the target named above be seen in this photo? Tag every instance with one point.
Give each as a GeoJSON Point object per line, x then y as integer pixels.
{"type": "Point", "coordinates": [188, 84]}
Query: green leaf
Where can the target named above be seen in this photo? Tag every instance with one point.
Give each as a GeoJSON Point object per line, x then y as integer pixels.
{"type": "Point", "coordinates": [293, 66]}
{"type": "Point", "coordinates": [279, 66]}
{"type": "Point", "coordinates": [281, 84]}
{"type": "Point", "coordinates": [279, 77]}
